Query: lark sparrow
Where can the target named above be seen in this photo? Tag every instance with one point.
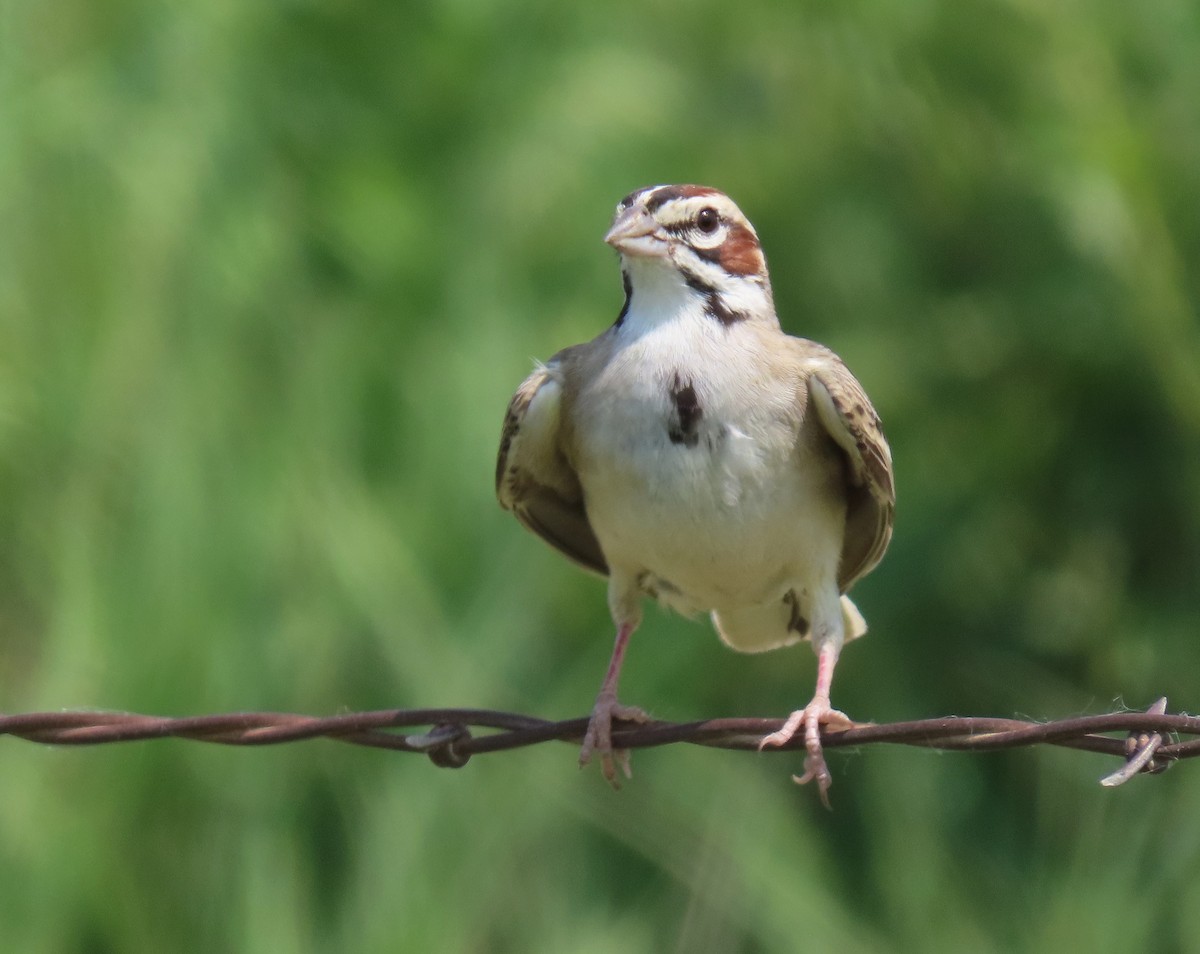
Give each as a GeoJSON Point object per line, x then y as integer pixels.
{"type": "Point", "coordinates": [696, 454]}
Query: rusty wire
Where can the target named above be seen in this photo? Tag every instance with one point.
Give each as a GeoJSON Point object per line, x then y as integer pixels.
{"type": "Point", "coordinates": [449, 740]}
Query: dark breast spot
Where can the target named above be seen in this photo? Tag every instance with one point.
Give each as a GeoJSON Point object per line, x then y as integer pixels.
{"type": "Point", "coordinates": [683, 427]}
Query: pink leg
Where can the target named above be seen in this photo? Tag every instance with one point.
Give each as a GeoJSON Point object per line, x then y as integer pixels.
{"type": "Point", "coordinates": [607, 708]}
{"type": "Point", "coordinates": [817, 713]}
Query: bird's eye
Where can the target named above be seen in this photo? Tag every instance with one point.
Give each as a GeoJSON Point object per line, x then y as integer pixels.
{"type": "Point", "coordinates": [708, 220]}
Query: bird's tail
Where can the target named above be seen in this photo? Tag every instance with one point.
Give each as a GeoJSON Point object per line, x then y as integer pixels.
{"type": "Point", "coordinates": [756, 629]}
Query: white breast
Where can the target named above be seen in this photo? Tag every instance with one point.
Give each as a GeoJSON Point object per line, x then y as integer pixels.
{"type": "Point", "coordinates": [727, 518]}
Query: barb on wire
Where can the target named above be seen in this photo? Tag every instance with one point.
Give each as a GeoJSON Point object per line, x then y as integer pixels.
{"type": "Point", "coordinates": [448, 740]}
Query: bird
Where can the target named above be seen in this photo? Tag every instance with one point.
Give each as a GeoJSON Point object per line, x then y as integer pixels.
{"type": "Point", "coordinates": [697, 455]}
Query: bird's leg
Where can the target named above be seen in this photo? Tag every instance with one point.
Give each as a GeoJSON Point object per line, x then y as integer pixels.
{"type": "Point", "coordinates": [818, 712]}
{"type": "Point", "coordinates": [599, 731]}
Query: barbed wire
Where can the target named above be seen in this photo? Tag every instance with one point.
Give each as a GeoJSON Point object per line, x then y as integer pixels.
{"type": "Point", "coordinates": [450, 740]}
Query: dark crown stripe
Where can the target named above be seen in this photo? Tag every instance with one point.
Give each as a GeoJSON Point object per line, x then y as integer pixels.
{"type": "Point", "coordinates": [668, 193]}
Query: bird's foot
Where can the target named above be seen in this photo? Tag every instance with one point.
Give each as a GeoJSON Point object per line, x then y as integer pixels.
{"type": "Point", "coordinates": [816, 714]}
{"type": "Point", "coordinates": [599, 736]}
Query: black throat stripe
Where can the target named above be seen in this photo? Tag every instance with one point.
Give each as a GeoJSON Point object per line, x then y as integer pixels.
{"type": "Point", "coordinates": [714, 305]}
{"type": "Point", "coordinates": [628, 297]}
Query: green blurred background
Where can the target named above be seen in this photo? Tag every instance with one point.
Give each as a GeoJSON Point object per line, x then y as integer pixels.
{"type": "Point", "coordinates": [269, 273]}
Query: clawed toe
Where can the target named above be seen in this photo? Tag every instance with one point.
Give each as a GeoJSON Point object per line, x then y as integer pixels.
{"type": "Point", "coordinates": [785, 732]}
{"type": "Point", "coordinates": [599, 738]}
{"type": "Point", "coordinates": [816, 714]}
{"type": "Point", "coordinates": [816, 769]}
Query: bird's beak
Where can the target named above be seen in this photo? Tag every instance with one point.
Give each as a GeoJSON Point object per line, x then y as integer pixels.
{"type": "Point", "coordinates": [636, 233]}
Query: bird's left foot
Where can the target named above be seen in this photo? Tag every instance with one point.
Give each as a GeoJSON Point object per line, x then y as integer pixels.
{"type": "Point", "coordinates": [599, 737]}
{"type": "Point", "coordinates": [816, 714]}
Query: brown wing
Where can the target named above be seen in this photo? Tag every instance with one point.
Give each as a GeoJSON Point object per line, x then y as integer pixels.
{"type": "Point", "coordinates": [845, 411]}
{"type": "Point", "coordinates": [534, 479]}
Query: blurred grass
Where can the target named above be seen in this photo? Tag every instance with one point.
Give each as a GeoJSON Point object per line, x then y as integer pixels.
{"type": "Point", "coordinates": [270, 272]}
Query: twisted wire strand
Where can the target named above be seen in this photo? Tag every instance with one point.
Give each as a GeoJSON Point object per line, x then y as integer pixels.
{"type": "Point", "coordinates": [449, 739]}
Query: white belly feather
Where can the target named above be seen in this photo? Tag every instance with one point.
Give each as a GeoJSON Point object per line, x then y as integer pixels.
{"type": "Point", "coordinates": [726, 520]}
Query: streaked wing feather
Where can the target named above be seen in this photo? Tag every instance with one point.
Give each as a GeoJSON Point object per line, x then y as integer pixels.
{"type": "Point", "coordinates": [533, 477]}
{"type": "Point", "coordinates": [847, 415]}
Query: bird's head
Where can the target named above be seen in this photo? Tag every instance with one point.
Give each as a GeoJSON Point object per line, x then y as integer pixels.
{"type": "Point", "coordinates": [695, 238]}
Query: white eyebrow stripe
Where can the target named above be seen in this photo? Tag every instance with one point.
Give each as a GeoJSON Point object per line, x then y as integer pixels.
{"type": "Point", "coordinates": [684, 210]}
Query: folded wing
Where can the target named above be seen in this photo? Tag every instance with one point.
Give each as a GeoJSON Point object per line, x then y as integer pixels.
{"type": "Point", "coordinates": [533, 477]}
{"type": "Point", "coordinates": [845, 412]}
